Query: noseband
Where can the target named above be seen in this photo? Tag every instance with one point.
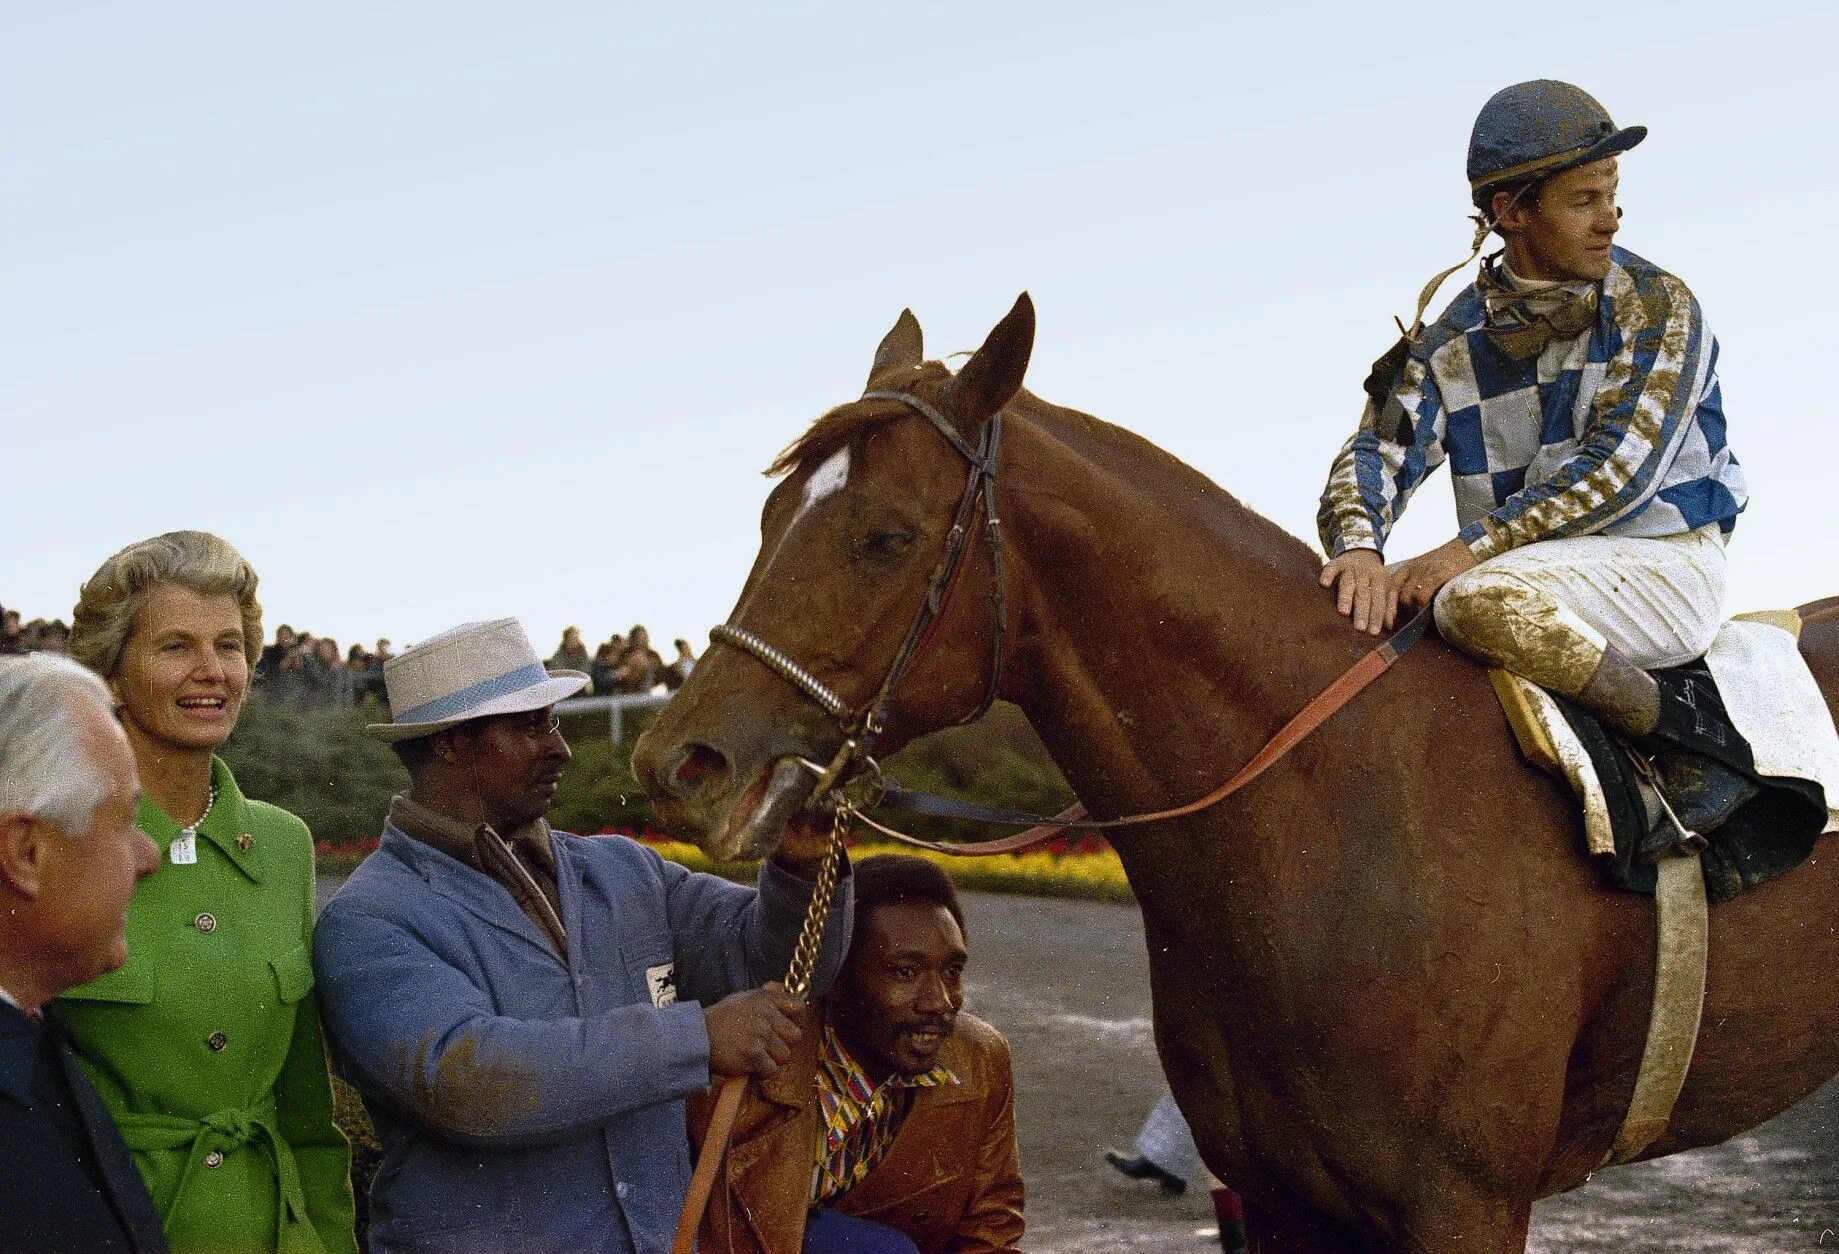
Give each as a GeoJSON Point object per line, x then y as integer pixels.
{"type": "Point", "coordinates": [861, 730]}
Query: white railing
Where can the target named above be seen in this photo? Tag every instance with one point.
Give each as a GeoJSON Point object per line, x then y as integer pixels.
{"type": "Point", "coordinates": [615, 707]}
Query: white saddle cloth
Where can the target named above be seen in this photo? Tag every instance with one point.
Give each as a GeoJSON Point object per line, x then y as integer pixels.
{"type": "Point", "coordinates": [1773, 700]}
{"type": "Point", "coordinates": [1767, 688]}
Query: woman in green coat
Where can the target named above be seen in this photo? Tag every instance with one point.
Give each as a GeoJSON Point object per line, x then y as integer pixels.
{"type": "Point", "coordinates": [206, 1046]}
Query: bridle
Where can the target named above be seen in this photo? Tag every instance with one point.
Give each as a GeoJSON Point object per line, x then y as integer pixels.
{"type": "Point", "coordinates": [861, 730]}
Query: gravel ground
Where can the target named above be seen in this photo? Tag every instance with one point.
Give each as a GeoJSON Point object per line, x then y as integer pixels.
{"type": "Point", "coordinates": [1067, 981]}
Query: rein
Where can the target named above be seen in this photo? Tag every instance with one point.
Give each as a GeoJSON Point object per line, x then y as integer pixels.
{"type": "Point", "coordinates": [1323, 705]}
{"type": "Point", "coordinates": [859, 733]}
{"type": "Point", "coordinates": [734, 1088]}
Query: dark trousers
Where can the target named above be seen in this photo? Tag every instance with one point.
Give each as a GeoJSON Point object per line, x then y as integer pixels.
{"type": "Point", "coordinates": [827, 1232]}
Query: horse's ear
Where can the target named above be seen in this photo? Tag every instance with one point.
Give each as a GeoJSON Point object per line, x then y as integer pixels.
{"type": "Point", "coordinates": [993, 375]}
{"type": "Point", "coordinates": [901, 348]}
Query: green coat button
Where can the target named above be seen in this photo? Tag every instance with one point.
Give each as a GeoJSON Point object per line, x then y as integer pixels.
{"type": "Point", "coordinates": [217, 1041]}
{"type": "Point", "coordinates": [206, 923]}
{"type": "Point", "coordinates": [214, 1158]}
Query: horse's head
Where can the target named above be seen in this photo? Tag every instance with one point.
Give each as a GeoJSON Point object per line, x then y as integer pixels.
{"type": "Point", "coordinates": [853, 542]}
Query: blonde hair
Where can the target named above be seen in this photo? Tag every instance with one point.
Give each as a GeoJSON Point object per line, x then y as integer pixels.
{"type": "Point", "coordinates": [111, 600]}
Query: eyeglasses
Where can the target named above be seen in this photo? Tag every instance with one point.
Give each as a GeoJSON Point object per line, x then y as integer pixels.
{"type": "Point", "coordinates": [543, 723]}
{"type": "Point", "coordinates": [536, 724]}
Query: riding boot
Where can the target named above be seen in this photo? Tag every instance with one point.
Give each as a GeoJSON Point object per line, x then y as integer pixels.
{"type": "Point", "coordinates": [1703, 794]}
{"type": "Point", "coordinates": [1693, 718]}
{"type": "Point", "coordinates": [1702, 766]}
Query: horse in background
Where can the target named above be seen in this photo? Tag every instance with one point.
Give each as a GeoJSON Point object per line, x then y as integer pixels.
{"type": "Point", "coordinates": [1391, 995]}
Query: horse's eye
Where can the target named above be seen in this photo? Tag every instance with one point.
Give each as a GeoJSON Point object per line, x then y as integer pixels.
{"type": "Point", "coordinates": [884, 543]}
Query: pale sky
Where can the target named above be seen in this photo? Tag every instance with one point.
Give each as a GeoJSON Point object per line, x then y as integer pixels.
{"type": "Point", "coordinates": [448, 311]}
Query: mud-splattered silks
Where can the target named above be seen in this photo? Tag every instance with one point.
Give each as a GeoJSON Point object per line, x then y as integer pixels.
{"type": "Point", "coordinates": [1617, 430]}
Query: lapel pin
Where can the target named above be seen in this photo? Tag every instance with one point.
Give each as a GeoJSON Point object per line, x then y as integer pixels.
{"type": "Point", "coordinates": [244, 841]}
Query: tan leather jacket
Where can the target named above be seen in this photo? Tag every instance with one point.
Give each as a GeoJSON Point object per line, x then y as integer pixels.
{"type": "Point", "coordinates": [951, 1181]}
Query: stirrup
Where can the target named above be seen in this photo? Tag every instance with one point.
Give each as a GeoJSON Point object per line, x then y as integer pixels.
{"type": "Point", "coordinates": [1667, 836]}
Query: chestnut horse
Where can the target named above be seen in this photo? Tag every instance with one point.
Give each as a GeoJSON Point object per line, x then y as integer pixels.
{"type": "Point", "coordinates": [1391, 995]}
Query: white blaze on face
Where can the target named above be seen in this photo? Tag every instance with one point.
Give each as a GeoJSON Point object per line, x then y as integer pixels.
{"type": "Point", "coordinates": [826, 480]}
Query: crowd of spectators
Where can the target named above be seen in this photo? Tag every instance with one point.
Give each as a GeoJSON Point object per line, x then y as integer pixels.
{"type": "Point", "coordinates": [624, 664]}
{"type": "Point", "coordinates": [37, 636]}
{"type": "Point", "coordinates": [306, 672]}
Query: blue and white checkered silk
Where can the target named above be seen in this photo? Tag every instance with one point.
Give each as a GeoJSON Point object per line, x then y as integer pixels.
{"type": "Point", "coordinates": [1618, 429]}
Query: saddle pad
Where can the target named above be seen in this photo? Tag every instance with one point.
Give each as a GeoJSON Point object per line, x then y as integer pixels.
{"type": "Point", "coordinates": [1768, 691]}
{"type": "Point", "coordinates": [1772, 698]}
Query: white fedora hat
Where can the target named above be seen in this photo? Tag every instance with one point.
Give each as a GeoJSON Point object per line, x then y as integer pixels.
{"type": "Point", "coordinates": [473, 671]}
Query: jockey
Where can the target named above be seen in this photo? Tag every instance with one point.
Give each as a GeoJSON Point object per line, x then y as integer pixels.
{"type": "Point", "coordinates": [1573, 389]}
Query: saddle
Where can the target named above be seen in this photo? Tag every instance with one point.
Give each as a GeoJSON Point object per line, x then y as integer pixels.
{"type": "Point", "coordinates": [1752, 806]}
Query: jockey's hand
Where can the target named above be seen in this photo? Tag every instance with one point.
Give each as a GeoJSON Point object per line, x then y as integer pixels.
{"type": "Point", "coordinates": [1363, 590]}
{"type": "Point", "coordinates": [751, 1033]}
{"type": "Point", "coordinates": [1418, 581]}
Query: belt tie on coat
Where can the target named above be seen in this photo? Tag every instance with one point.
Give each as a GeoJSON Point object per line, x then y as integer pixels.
{"type": "Point", "coordinates": [224, 1132]}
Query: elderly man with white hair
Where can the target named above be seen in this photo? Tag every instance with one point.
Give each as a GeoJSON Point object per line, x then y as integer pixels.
{"type": "Point", "coordinates": [70, 855]}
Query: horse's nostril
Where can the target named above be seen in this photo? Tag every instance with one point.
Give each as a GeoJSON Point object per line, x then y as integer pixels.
{"type": "Point", "coordinates": [698, 765]}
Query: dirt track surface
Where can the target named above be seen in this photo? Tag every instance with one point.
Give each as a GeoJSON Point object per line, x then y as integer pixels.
{"type": "Point", "coordinates": [1068, 983]}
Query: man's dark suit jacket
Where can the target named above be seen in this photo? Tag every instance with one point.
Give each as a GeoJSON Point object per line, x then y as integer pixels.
{"type": "Point", "coordinates": [50, 1203]}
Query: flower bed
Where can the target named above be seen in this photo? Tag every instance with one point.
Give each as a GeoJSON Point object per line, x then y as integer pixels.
{"type": "Point", "coordinates": [1082, 866]}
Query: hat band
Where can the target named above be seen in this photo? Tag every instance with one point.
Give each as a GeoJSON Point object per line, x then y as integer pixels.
{"type": "Point", "coordinates": [456, 704]}
{"type": "Point", "coordinates": [1530, 167]}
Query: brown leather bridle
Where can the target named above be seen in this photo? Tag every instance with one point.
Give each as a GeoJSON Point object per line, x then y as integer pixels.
{"type": "Point", "coordinates": [861, 730]}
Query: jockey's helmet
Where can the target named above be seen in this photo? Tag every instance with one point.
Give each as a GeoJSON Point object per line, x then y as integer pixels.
{"type": "Point", "coordinates": [1532, 131]}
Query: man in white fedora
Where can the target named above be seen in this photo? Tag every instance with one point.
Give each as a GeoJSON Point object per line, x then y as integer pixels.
{"type": "Point", "coordinates": [524, 1010]}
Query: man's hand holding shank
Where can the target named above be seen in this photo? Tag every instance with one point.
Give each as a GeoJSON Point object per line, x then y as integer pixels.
{"type": "Point", "coordinates": [752, 1033]}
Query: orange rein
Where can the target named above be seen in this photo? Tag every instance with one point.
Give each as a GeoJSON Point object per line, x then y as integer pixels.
{"type": "Point", "coordinates": [1292, 733]}
{"type": "Point", "coordinates": [714, 1149]}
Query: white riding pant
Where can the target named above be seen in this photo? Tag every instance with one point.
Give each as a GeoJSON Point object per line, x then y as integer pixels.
{"type": "Point", "coordinates": [1549, 611]}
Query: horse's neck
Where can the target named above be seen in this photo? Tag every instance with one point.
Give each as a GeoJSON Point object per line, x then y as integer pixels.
{"type": "Point", "coordinates": [1171, 629]}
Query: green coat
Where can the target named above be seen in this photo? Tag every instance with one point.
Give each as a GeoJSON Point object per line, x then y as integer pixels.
{"type": "Point", "coordinates": [206, 1046]}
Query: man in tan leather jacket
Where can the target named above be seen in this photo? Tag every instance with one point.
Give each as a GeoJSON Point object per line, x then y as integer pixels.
{"type": "Point", "coordinates": [892, 1127]}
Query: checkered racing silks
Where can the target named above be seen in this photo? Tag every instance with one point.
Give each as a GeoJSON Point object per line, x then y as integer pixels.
{"type": "Point", "coordinates": [1618, 429]}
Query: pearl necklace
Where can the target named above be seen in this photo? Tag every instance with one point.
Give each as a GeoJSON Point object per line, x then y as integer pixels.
{"type": "Point", "coordinates": [184, 849]}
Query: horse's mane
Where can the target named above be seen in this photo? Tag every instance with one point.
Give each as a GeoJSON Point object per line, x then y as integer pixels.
{"type": "Point", "coordinates": [831, 431]}
{"type": "Point", "coordinates": [1103, 442]}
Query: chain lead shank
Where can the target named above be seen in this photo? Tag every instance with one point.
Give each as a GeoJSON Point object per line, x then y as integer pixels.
{"type": "Point", "coordinates": [811, 935]}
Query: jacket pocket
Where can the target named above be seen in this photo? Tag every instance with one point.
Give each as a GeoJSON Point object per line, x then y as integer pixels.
{"type": "Point", "coordinates": [132, 985]}
{"type": "Point", "coordinates": [293, 974]}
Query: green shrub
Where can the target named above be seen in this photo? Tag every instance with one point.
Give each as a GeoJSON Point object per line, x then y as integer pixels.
{"type": "Point", "coordinates": [323, 767]}
{"type": "Point", "coordinates": [318, 764]}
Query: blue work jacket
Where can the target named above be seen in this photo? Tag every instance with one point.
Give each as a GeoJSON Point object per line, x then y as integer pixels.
{"type": "Point", "coordinates": [524, 1101]}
